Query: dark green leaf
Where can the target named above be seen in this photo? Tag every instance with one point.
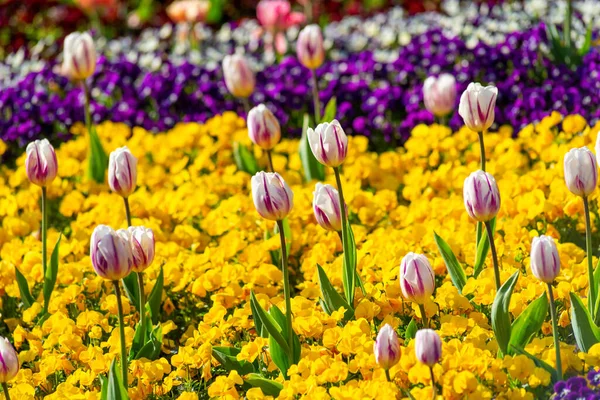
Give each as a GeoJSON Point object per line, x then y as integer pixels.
{"type": "Point", "coordinates": [226, 356]}
{"type": "Point", "coordinates": [528, 323]}
{"type": "Point", "coordinates": [331, 298]}
{"type": "Point", "coordinates": [115, 390]}
{"type": "Point", "coordinates": [411, 330]}
{"type": "Point", "coordinates": [586, 332]}
{"type": "Point", "coordinates": [455, 270]}
{"type": "Point", "coordinates": [278, 354]}
{"type": "Point", "coordinates": [500, 315]}
{"type": "Point", "coordinates": [98, 160]}
{"type": "Point", "coordinates": [313, 170]}
{"type": "Point", "coordinates": [260, 328]}
{"type": "Point", "coordinates": [244, 159]}
{"type": "Point", "coordinates": [483, 248]}
{"type": "Point", "coordinates": [51, 273]}
{"type": "Point", "coordinates": [155, 298]}
{"type": "Point", "coordinates": [132, 290]}
{"type": "Point", "coordinates": [587, 44]}
{"type": "Point", "coordinates": [139, 339]}
{"type": "Point", "coordinates": [151, 349]}
{"type": "Point", "coordinates": [349, 271]}
{"type": "Point", "coordinates": [330, 111]}
{"type": "Point", "coordinates": [538, 363]}
{"type": "Point", "coordinates": [269, 324]}
{"type": "Point", "coordinates": [215, 12]}
{"type": "Point", "coordinates": [596, 278]}
{"type": "Point", "coordinates": [26, 296]}
{"type": "Point", "coordinates": [268, 387]}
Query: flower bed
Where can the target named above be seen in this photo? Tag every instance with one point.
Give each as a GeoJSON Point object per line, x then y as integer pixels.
{"type": "Point", "coordinates": [211, 245]}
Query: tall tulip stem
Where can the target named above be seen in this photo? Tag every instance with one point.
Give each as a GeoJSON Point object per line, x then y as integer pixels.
{"type": "Point", "coordinates": [286, 287]}
{"type": "Point", "coordinates": [482, 149]}
{"type": "Point", "coordinates": [316, 101]}
{"type": "Point", "coordinates": [593, 294]}
{"type": "Point", "coordinates": [122, 334]}
{"type": "Point", "coordinates": [345, 244]}
{"type": "Point", "coordinates": [140, 281]}
{"type": "Point", "coordinates": [127, 211]}
{"type": "Point", "coordinates": [246, 104]}
{"type": "Point", "coordinates": [270, 159]}
{"type": "Point", "coordinates": [433, 388]}
{"type": "Point", "coordinates": [490, 233]}
{"type": "Point", "coordinates": [387, 375]}
{"type": "Point", "coordinates": [44, 229]}
{"type": "Point", "coordinates": [424, 316]}
{"type": "Point", "coordinates": [555, 332]}
{"type": "Point", "coordinates": [5, 389]}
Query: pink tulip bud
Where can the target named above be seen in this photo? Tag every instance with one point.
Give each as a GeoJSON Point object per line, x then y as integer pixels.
{"type": "Point", "coordinates": [581, 171]}
{"type": "Point", "coordinates": [417, 280]}
{"type": "Point", "coordinates": [122, 171]}
{"type": "Point", "coordinates": [9, 361]}
{"type": "Point", "coordinates": [79, 56]}
{"type": "Point", "coordinates": [326, 206]}
{"type": "Point", "coordinates": [142, 247]}
{"type": "Point", "coordinates": [387, 347]}
{"type": "Point", "coordinates": [263, 127]}
{"type": "Point", "coordinates": [272, 197]}
{"type": "Point", "coordinates": [428, 346]}
{"type": "Point", "coordinates": [309, 47]}
{"type": "Point", "coordinates": [481, 196]}
{"type": "Point", "coordinates": [477, 105]}
{"type": "Point", "coordinates": [41, 164]}
{"type": "Point", "coordinates": [329, 143]}
{"type": "Point", "coordinates": [439, 94]}
{"type": "Point", "coordinates": [545, 263]}
{"type": "Point", "coordinates": [277, 15]}
{"type": "Point", "coordinates": [239, 78]}
{"type": "Point", "coordinates": [110, 252]}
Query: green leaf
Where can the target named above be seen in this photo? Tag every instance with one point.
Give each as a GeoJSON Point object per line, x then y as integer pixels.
{"type": "Point", "coordinates": [278, 354]}
{"type": "Point", "coordinates": [587, 44]}
{"type": "Point", "coordinates": [226, 356]}
{"type": "Point", "coordinates": [244, 159]}
{"type": "Point", "coordinates": [330, 111]}
{"type": "Point", "coordinates": [411, 330]}
{"type": "Point", "coordinates": [349, 271]}
{"type": "Point", "coordinates": [269, 323]}
{"type": "Point", "coordinates": [104, 387]}
{"type": "Point", "coordinates": [151, 349]}
{"type": "Point", "coordinates": [483, 247]}
{"type": "Point", "coordinates": [538, 363]}
{"type": "Point", "coordinates": [132, 290]}
{"type": "Point", "coordinates": [261, 330]}
{"type": "Point", "coordinates": [154, 300]}
{"type": "Point", "coordinates": [331, 298]}
{"type": "Point", "coordinates": [268, 387]}
{"type": "Point", "coordinates": [115, 389]}
{"type": "Point", "coordinates": [586, 332]}
{"type": "Point", "coordinates": [139, 339]}
{"type": "Point", "coordinates": [313, 170]}
{"type": "Point", "coordinates": [215, 12]}
{"type": "Point", "coordinates": [500, 315]}
{"type": "Point", "coordinates": [596, 279]}
{"type": "Point", "coordinates": [50, 276]}
{"type": "Point", "coordinates": [528, 323]}
{"type": "Point", "coordinates": [98, 160]}
{"type": "Point", "coordinates": [455, 270]}
{"type": "Point", "coordinates": [26, 296]}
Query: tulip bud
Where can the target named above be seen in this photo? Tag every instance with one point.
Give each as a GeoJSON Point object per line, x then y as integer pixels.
{"type": "Point", "coordinates": [329, 143]}
{"type": "Point", "coordinates": [581, 171]}
{"type": "Point", "coordinates": [309, 47]}
{"type": "Point", "coordinates": [545, 263]}
{"type": "Point", "coordinates": [110, 252]}
{"type": "Point", "coordinates": [239, 78]}
{"type": "Point", "coordinates": [439, 94]}
{"type": "Point", "coordinates": [79, 56]}
{"type": "Point", "coordinates": [263, 127]}
{"type": "Point", "coordinates": [417, 280]}
{"type": "Point", "coordinates": [122, 171]}
{"type": "Point", "coordinates": [477, 105]}
{"type": "Point", "coordinates": [326, 206]}
{"type": "Point", "coordinates": [41, 164]}
{"type": "Point", "coordinates": [428, 346]}
{"type": "Point", "coordinates": [272, 197]}
{"type": "Point", "coordinates": [387, 347]}
{"type": "Point", "coordinates": [142, 247]}
{"type": "Point", "coordinates": [9, 361]}
{"type": "Point", "coordinates": [481, 196]}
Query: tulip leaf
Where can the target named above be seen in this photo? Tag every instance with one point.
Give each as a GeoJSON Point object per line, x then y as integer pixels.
{"type": "Point", "coordinates": [98, 160]}
{"type": "Point", "coordinates": [267, 386]}
{"type": "Point", "coordinates": [483, 247]}
{"type": "Point", "coordinates": [139, 339]}
{"type": "Point", "coordinates": [103, 387]}
{"type": "Point", "coordinates": [538, 363]}
{"type": "Point", "coordinates": [586, 332]}
{"type": "Point", "coordinates": [330, 110]}
{"type": "Point", "coordinates": [261, 330]}
{"type": "Point", "coordinates": [151, 349]}
{"type": "Point", "coordinates": [411, 330]}
{"type": "Point", "coordinates": [132, 290]}
{"type": "Point", "coordinates": [455, 270]}
{"type": "Point", "coordinates": [331, 298]}
{"type": "Point", "coordinates": [596, 279]}
{"type": "Point", "coordinates": [349, 272]}
{"type": "Point", "coordinates": [279, 356]}
{"type": "Point", "coordinates": [269, 324]}
{"type": "Point", "coordinates": [115, 389]}
{"type": "Point", "coordinates": [313, 170]}
{"type": "Point", "coordinates": [226, 356]}
{"type": "Point", "coordinates": [154, 300]}
{"type": "Point", "coordinates": [244, 159]}
{"type": "Point", "coordinates": [528, 323]}
{"type": "Point", "coordinates": [50, 275]}
{"type": "Point", "coordinates": [500, 315]}
{"type": "Point", "coordinates": [587, 44]}
{"type": "Point", "coordinates": [26, 296]}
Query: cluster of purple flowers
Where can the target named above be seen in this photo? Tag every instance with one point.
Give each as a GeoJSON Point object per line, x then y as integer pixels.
{"type": "Point", "coordinates": [579, 388]}
{"type": "Point", "coordinates": [381, 99]}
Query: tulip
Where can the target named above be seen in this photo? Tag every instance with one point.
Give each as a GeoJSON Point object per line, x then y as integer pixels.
{"type": "Point", "coordinates": [481, 196]}
{"type": "Point", "coordinates": [329, 143]}
{"type": "Point", "coordinates": [309, 47]}
{"type": "Point", "coordinates": [439, 94]}
{"type": "Point", "coordinates": [417, 280]}
{"type": "Point", "coordinates": [110, 252]}
{"type": "Point", "coordinates": [263, 127]}
{"type": "Point", "coordinates": [545, 263]}
{"type": "Point", "coordinates": [277, 15]}
{"type": "Point", "coordinates": [428, 347]}
{"type": "Point", "coordinates": [272, 197]}
{"type": "Point", "coordinates": [326, 206]}
{"type": "Point", "coordinates": [9, 362]}
{"type": "Point", "coordinates": [79, 56]}
{"type": "Point", "coordinates": [387, 348]}
{"type": "Point", "coordinates": [581, 171]}
{"type": "Point", "coordinates": [477, 105]}
{"type": "Point", "coordinates": [122, 172]}
{"type": "Point", "coordinates": [239, 78]}
{"type": "Point", "coordinates": [41, 164]}
{"type": "Point", "coordinates": [142, 247]}
{"type": "Point", "coordinates": [189, 11]}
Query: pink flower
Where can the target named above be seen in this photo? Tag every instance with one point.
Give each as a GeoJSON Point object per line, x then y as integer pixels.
{"type": "Point", "coordinates": [277, 15]}
{"type": "Point", "coordinates": [188, 10]}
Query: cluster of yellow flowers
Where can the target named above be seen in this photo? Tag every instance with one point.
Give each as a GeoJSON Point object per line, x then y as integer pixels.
{"type": "Point", "coordinates": [211, 243]}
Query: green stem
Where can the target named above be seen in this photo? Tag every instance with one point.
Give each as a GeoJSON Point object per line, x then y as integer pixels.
{"type": "Point", "coordinates": [127, 211]}
{"type": "Point", "coordinates": [44, 230]}
{"type": "Point", "coordinates": [122, 334]}
{"type": "Point", "coordinates": [482, 149]}
{"type": "Point", "coordinates": [433, 388]}
{"type": "Point", "coordinates": [286, 288]}
{"type": "Point", "coordinates": [88, 119]}
{"type": "Point", "coordinates": [424, 316]}
{"type": "Point", "coordinates": [490, 234]}
{"type": "Point", "coordinates": [140, 280]}
{"type": "Point", "coordinates": [567, 24]}
{"type": "Point", "coordinates": [588, 244]}
{"type": "Point", "coordinates": [246, 104]}
{"type": "Point", "coordinates": [5, 388]}
{"type": "Point", "coordinates": [387, 375]}
{"type": "Point", "coordinates": [316, 101]}
{"type": "Point", "coordinates": [270, 159]}
{"type": "Point", "coordinates": [345, 244]}
{"type": "Point", "coordinates": [555, 332]}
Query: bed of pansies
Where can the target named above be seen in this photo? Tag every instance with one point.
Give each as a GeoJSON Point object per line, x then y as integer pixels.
{"type": "Point", "coordinates": [296, 216]}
